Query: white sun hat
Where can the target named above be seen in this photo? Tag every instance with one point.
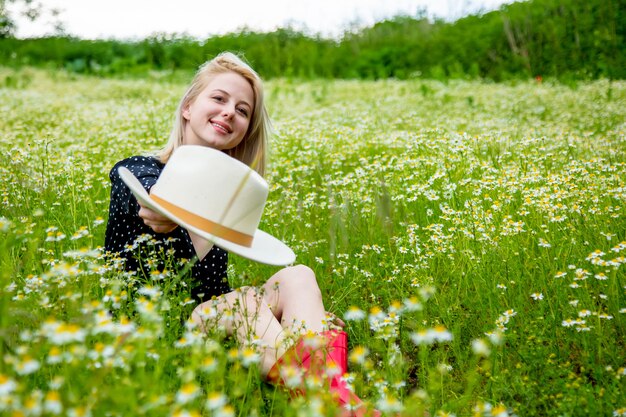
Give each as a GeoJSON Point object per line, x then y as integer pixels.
{"type": "Point", "coordinates": [216, 197]}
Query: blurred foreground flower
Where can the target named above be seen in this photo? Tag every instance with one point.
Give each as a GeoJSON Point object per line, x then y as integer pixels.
{"type": "Point", "coordinates": [480, 348]}
{"type": "Point", "coordinates": [430, 336]}
{"type": "Point", "coordinates": [187, 393]}
{"type": "Point", "coordinates": [7, 385]}
{"type": "Point", "coordinates": [354, 313]}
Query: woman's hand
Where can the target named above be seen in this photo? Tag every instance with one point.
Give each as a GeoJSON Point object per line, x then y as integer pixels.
{"type": "Point", "coordinates": [334, 322]}
{"type": "Point", "coordinates": [156, 221]}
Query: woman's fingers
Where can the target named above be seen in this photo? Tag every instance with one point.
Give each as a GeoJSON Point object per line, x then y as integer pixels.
{"type": "Point", "coordinates": [334, 320]}
{"type": "Point", "coordinates": [156, 221]}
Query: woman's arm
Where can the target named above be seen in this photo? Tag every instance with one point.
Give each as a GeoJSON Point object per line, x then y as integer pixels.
{"type": "Point", "coordinates": [155, 221]}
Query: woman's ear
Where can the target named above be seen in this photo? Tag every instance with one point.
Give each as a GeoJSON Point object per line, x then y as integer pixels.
{"type": "Point", "coordinates": [185, 112]}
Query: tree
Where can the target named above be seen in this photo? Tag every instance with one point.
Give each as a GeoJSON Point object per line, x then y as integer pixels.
{"type": "Point", "coordinates": [32, 10]}
{"type": "Point", "coordinates": [7, 26]}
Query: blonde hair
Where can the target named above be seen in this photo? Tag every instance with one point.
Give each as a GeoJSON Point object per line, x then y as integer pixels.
{"type": "Point", "coordinates": [252, 148]}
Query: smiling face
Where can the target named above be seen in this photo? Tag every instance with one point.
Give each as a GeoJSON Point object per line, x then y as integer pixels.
{"type": "Point", "coordinates": [220, 115]}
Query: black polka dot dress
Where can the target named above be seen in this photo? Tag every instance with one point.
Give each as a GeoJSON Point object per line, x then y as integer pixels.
{"type": "Point", "coordinates": [124, 227]}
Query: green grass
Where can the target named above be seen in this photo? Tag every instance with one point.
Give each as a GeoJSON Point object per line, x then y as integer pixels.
{"type": "Point", "coordinates": [499, 208]}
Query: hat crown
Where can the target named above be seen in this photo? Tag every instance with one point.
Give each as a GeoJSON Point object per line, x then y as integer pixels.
{"type": "Point", "coordinates": [213, 186]}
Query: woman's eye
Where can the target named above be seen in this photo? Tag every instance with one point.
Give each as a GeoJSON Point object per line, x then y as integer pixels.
{"type": "Point", "coordinates": [218, 98]}
{"type": "Point", "coordinates": [243, 111]}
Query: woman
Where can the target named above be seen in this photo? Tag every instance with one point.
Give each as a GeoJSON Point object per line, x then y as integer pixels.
{"type": "Point", "coordinates": [224, 109]}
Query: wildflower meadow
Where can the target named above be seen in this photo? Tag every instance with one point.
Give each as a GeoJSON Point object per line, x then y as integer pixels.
{"type": "Point", "coordinates": [471, 235]}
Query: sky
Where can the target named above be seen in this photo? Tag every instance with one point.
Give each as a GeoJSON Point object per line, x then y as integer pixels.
{"type": "Point", "coordinates": [138, 19]}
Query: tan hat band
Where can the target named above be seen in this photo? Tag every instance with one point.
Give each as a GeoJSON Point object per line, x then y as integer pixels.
{"type": "Point", "coordinates": [206, 225]}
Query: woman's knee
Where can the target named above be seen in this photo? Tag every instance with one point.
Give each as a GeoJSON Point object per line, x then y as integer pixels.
{"type": "Point", "coordinates": [300, 270]}
{"type": "Point", "coordinates": [300, 279]}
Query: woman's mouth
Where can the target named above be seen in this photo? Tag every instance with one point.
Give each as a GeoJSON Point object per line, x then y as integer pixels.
{"type": "Point", "coordinates": [222, 127]}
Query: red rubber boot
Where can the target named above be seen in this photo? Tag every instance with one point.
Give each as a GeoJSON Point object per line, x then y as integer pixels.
{"type": "Point", "coordinates": [329, 363]}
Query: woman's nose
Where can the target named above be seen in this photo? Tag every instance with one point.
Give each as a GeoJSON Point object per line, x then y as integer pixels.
{"type": "Point", "coordinates": [228, 112]}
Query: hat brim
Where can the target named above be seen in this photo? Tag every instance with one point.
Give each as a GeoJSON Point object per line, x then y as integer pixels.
{"type": "Point", "coordinates": [265, 248]}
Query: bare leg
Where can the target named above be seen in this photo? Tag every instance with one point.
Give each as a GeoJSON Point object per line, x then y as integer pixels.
{"type": "Point", "coordinates": [290, 299]}
{"type": "Point", "coordinates": [295, 299]}
{"type": "Point", "coordinates": [245, 314]}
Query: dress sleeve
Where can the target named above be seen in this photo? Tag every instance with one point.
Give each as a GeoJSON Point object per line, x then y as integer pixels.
{"type": "Point", "coordinates": [146, 170]}
{"type": "Point", "coordinates": [124, 224]}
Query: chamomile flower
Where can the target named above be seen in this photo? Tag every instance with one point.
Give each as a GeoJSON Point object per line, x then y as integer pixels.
{"type": "Point", "coordinates": [209, 364]}
{"type": "Point", "coordinates": [5, 224]}
{"type": "Point", "coordinates": [215, 400]}
{"type": "Point", "coordinates": [7, 385]}
{"type": "Point", "coordinates": [396, 307]}
{"type": "Point", "coordinates": [291, 376]}
{"type": "Point", "coordinates": [412, 304]}
{"type": "Point", "coordinates": [437, 334]}
{"type": "Point", "coordinates": [389, 404]}
{"type": "Point", "coordinates": [499, 411]}
{"type": "Point", "coordinates": [354, 314]}
{"type": "Point", "coordinates": [441, 334]}
{"type": "Point", "coordinates": [496, 337]}
{"type": "Point", "coordinates": [249, 356]}
{"type": "Point", "coordinates": [80, 411]}
{"type": "Point", "coordinates": [427, 292]}
{"type": "Point", "coordinates": [27, 365]}
{"type": "Point", "coordinates": [544, 243]}
{"type": "Point", "coordinates": [63, 333]}
{"type": "Point", "coordinates": [225, 411]}
{"type": "Point", "coordinates": [186, 413]}
{"type": "Point", "coordinates": [572, 322]}
{"type": "Point", "coordinates": [150, 291]}
{"type": "Point", "coordinates": [33, 403]}
{"type": "Point", "coordinates": [332, 369]}
{"type": "Point", "coordinates": [312, 340]}
{"type": "Point", "coordinates": [359, 354]}
{"type": "Point", "coordinates": [52, 403]}
{"type": "Point", "coordinates": [125, 326]}
{"type": "Point", "coordinates": [480, 348]}
{"type": "Point", "coordinates": [188, 392]}
{"type": "Point", "coordinates": [206, 312]}
{"type": "Point", "coordinates": [422, 337]}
